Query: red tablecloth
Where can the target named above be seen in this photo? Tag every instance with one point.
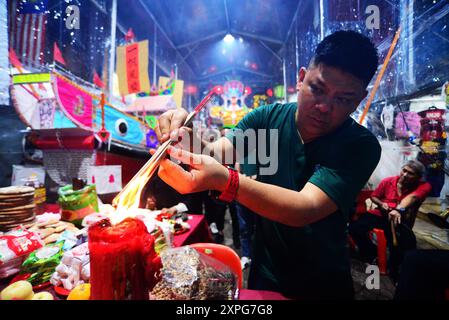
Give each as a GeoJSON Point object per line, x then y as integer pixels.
{"type": "Point", "coordinates": [199, 232]}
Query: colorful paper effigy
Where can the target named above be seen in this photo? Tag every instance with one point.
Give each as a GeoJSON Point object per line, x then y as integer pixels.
{"type": "Point", "coordinates": [234, 109]}
{"type": "Point", "coordinates": [76, 103]}
{"type": "Point", "coordinates": [122, 127]}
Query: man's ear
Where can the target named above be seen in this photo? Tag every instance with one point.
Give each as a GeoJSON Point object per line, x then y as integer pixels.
{"type": "Point", "coordinates": [302, 75]}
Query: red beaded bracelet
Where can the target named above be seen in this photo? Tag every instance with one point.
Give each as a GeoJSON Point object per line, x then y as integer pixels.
{"type": "Point", "coordinates": [229, 194]}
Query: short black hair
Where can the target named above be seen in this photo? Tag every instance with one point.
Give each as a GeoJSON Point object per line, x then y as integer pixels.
{"type": "Point", "coordinates": [350, 52]}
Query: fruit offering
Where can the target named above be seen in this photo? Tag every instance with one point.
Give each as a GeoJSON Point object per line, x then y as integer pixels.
{"type": "Point", "coordinates": [20, 290]}
{"type": "Point", "coordinates": [43, 295]}
{"type": "Point", "coordinates": [80, 292]}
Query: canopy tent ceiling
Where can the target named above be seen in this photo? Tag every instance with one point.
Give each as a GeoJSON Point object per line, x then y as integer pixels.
{"type": "Point", "coordinates": [195, 30]}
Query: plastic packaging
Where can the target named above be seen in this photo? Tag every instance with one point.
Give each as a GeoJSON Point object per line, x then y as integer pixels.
{"type": "Point", "coordinates": [42, 263]}
{"type": "Point", "coordinates": [76, 204]}
{"type": "Point", "coordinates": [40, 195]}
{"type": "Point", "coordinates": [15, 245]}
{"type": "Point", "coordinates": [190, 275]}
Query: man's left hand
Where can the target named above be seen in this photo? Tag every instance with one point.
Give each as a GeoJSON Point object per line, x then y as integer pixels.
{"type": "Point", "coordinates": [206, 173]}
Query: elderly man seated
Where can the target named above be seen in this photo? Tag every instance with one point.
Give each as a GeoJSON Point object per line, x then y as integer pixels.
{"type": "Point", "coordinates": [397, 201]}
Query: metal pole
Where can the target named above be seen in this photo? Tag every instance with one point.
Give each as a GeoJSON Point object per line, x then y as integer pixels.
{"type": "Point", "coordinates": [155, 58]}
{"type": "Point", "coordinates": [297, 53]}
{"type": "Point", "coordinates": [190, 103]}
{"type": "Point", "coordinates": [322, 19]}
{"type": "Point", "coordinates": [411, 73]}
{"type": "Point", "coordinates": [113, 43]}
{"type": "Point", "coordinates": [284, 69]}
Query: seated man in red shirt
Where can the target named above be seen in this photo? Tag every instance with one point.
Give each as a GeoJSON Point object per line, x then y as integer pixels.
{"type": "Point", "coordinates": [398, 199]}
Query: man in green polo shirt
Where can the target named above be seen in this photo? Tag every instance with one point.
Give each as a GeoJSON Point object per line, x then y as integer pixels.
{"type": "Point", "coordinates": [321, 158]}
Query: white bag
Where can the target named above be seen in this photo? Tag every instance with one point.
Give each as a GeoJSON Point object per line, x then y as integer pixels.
{"type": "Point", "coordinates": [21, 174]}
{"type": "Point", "coordinates": [107, 179]}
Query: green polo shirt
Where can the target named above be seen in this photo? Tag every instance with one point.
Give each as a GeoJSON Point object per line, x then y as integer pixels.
{"type": "Point", "coordinates": [312, 260]}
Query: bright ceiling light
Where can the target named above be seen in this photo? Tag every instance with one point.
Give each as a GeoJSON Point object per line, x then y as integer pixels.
{"type": "Point", "coordinates": [229, 38]}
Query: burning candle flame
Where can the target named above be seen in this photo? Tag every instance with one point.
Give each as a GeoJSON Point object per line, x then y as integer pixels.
{"type": "Point", "coordinates": [129, 198]}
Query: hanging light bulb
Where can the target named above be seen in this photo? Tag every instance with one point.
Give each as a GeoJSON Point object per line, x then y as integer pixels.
{"type": "Point", "coordinates": [228, 38]}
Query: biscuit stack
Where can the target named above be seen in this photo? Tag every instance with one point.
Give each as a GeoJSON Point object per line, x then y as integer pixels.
{"type": "Point", "coordinates": [16, 207]}
{"type": "Point", "coordinates": [50, 231]}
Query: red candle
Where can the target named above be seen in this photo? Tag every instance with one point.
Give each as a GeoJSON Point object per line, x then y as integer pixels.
{"type": "Point", "coordinates": [123, 263]}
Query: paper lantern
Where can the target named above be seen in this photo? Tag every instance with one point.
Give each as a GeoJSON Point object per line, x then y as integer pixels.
{"type": "Point", "coordinates": [191, 89]}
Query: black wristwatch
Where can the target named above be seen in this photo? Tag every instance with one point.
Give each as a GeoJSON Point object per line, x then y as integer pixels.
{"type": "Point", "coordinates": [401, 210]}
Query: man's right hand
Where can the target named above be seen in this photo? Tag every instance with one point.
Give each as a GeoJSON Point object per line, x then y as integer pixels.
{"type": "Point", "coordinates": [169, 123]}
{"type": "Point", "coordinates": [385, 207]}
{"type": "Point", "coordinates": [395, 216]}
